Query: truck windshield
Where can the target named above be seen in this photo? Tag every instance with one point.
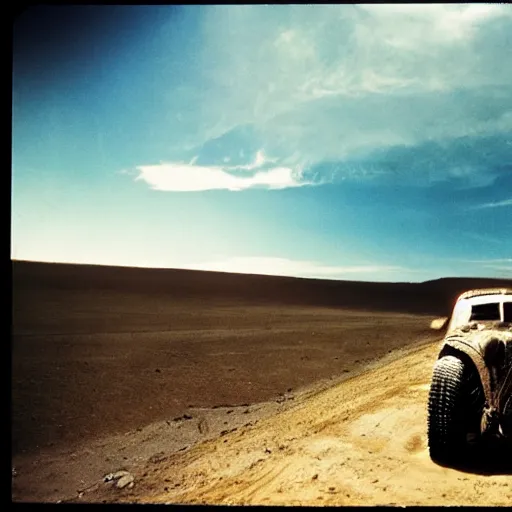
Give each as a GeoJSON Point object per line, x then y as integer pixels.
{"type": "Point", "coordinates": [507, 310]}
{"type": "Point", "coordinates": [489, 311]}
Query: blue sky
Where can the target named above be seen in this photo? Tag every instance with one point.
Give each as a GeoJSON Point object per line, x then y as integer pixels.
{"type": "Point", "coordinates": [361, 142]}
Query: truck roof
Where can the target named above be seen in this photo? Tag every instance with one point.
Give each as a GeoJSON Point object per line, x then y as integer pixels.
{"type": "Point", "coordinates": [485, 291]}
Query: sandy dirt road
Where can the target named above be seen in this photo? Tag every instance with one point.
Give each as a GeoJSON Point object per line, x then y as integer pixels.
{"type": "Point", "coordinates": [361, 442]}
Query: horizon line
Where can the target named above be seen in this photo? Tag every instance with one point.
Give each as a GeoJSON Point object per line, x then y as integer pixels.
{"type": "Point", "coordinates": [13, 260]}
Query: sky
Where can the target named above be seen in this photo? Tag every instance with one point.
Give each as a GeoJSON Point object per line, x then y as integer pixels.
{"type": "Point", "coordinates": [356, 142]}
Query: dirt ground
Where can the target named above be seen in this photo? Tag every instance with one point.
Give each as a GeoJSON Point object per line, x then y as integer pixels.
{"type": "Point", "coordinates": [360, 442]}
{"type": "Point", "coordinates": [223, 401]}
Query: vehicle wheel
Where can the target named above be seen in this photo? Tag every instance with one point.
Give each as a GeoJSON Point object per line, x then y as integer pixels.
{"type": "Point", "coordinates": [454, 408]}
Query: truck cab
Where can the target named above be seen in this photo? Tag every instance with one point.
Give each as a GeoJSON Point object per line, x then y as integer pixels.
{"type": "Point", "coordinates": [481, 308]}
{"type": "Point", "coordinates": [470, 394]}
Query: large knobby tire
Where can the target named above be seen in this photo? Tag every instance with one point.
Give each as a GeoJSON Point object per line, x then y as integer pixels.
{"type": "Point", "coordinates": [454, 406]}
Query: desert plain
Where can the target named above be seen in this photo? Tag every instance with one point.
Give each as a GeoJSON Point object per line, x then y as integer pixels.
{"type": "Point", "coordinates": [225, 388]}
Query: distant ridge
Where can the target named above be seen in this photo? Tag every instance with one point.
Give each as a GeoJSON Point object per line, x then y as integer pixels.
{"type": "Point", "coordinates": [434, 297]}
{"type": "Point", "coordinates": [473, 279]}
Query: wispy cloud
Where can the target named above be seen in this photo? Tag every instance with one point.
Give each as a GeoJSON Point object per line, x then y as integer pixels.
{"type": "Point", "coordinates": [489, 261]}
{"type": "Point", "coordinates": [436, 23]}
{"type": "Point", "coordinates": [338, 82]}
{"type": "Point", "coordinates": [476, 261]}
{"type": "Point", "coordinates": [302, 53]}
{"type": "Point", "coordinates": [495, 204]}
{"type": "Point", "coordinates": [341, 82]}
{"type": "Point", "coordinates": [483, 238]}
{"type": "Point", "coordinates": [293, 268]}
{"type": "Point", "coordinates": [501, 267]}
{"type": "Point", "coordinates": [504, 270]}
{"type": "Point", "coordinates": [260, 160]}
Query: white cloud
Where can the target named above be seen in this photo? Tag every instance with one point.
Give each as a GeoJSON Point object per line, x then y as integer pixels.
{"type": "Point", "coordinates": [180, 177]}
{"type": "Point", "coordinates": [188, 177]}
{"type": "Point", "coordinates": [292, 268]}
{"type": "Point", "coordinates": [433, 23]}
{"type": "Point", "coordinates": [496, 204]}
